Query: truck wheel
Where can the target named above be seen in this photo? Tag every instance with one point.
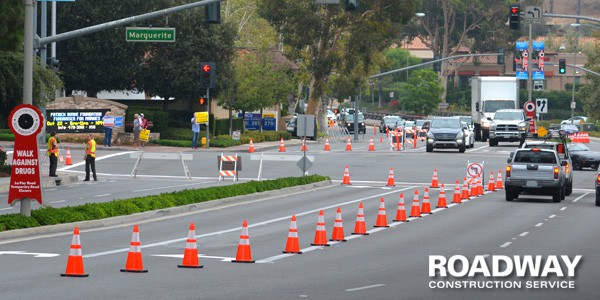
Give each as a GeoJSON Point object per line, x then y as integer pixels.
{"type": "Point", "coordinates": [485, 135]}
{"type": "Point", "coordinates": [597, 200]}
{"type": "Point", "coordinates": [493, 142]}
{"type": "Point", "coordinates": [429, 148]}
{"type": "Point", "coordinates": [556, 195]}
{"type": "Point", "coordinates": [569, 190]}
{"type": "Point", "coordinates": [510, 194]}
{"type": "Point", "coordinates": [562, 193]}
{"type": "Point", "coordinates": [477, 130]}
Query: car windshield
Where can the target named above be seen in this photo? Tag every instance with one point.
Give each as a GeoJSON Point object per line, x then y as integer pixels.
{"type": "Point", "coordinates": [421, 122]}
{"type": "Point", "coordinates": [508, 115]}
{"type": "Point", "coordinates": [350, 118]}
{"type": "Point", "coordinates": [390, 120]}
{"type": "Point", "coordinates": [409, 124]}
{"type": "Point", "coordinates": [446, 123]}
{"type": "Point", "coordinates": [541, 146]}
{"type": "Point", "coordinates": [490, 106]}
{"type": "Point", "coordinates": [568, 127]}
{"type": "Point", "coordinates": [538, 157]}
{"type": "Point", "coordinates": [577, 147]}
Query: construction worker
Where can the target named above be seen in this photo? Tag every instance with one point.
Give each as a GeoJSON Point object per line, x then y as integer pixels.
{"type": "Point", "coordinates": [53, 154]}
{"type": "Point", "coordinates": [90, 158]}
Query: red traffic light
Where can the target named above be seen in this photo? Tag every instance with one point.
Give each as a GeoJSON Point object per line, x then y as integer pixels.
{"type": "Point", "coordinates": [202, 100]}
{"type": "Point", "coordinates": [515, 10]}
{"type": "Point", "coordinates": [206, 68]}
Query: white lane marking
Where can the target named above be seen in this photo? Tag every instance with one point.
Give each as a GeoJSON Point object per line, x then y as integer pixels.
{"type": "Point", "coordinates": [539, 224]}
{"type": "Point", "coordinates": [505, 244]}
{"type": "Point", "coordinates": [563, 208]}
{"type": "Point", "coordinates": [6, 208]}
{"type": "Point", "coordinates": [551, 216]}
{"type": "Point", "coordinates": [577, 199]}
{"type": "Point", "coordinates": [49, 190]}
{"type": "Point", "coordinates": [37, 255]}
{"type": "Point", "coordinates": [101, 195]}
{"type": "Point", "coordinates": [171, 186]}
{"type": "Point", "coordinates": [180, 256]}
{"type": "Point", "coordinates": [81, 163]}
{"type": "Point", "coordinates": [475, 149]}
{"type": "Point", "coordinates": [58, 201]}
{"type": "Point", "coordinates": [524, 233]}
{"type": "Point", "coordinates": [286, 218]}
{"type": "Point", "coordinates": [365, 287]}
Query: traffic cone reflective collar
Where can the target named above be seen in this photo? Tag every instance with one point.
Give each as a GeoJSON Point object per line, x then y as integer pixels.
{"type": "Point", "coordinates": [75, 260]}
{"type": "Point", "coordinates": [346, 179]}
{"type": "Point", "coordinates": [251, 147]}
{"type": "Point", "coordinates": [134, 258]}
{"type": "Point", "coordinates": [68, 159]}
{"type": "Point", "coordinates": [415, 211]}
{"type": "Point", "coordinates": [281, 146]}
{"type": "Point", "coordinates": [426, 205]}
{"type": "Point", "coordinates": [442, 197]}
{"type": "Point", "coordinates": [401, 212]}
{"type": "Point", "coordinates": [190, 255]}
{"type": "Point", "coordinates": [390, 181]}
{"type": "Point", "coordinates": [360, 227]}
{"type": "Point", "coordinates": [499, 183]}
{"type": "Point", "coordinates": [320, 233]}
{"type": "Point", "coordinates": [293, 245]}
{"type": "Point", "coordinates": [244, 254]}
{"type": "Point", "coordinates": [434, 180]}
{"type": "Point", "coordinates": [338, 228]}
{"type": "Point", "coordinates": [327, 147]}
{"type": "Point", "coordinates": [381, 215]}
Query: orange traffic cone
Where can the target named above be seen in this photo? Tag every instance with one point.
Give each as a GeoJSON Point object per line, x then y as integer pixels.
{"type": "Point", "coordinates": [338, 228]}
{"type": "Point", "coordinates": [348, 145]}
{"type": "Point", "coordinates": [281, 146]}
{"type": "Point", "coordinates": [381, 215]}
{"type": "Point", "coordinates": [360, 226]}
{"type": "Point", "coordinates": [371, 145]}
{"type": "Point", "coordinates": [244, 253]}
{"type": "Point", "coordinates": [457, 198]}
{"type": "Point", "coordinates": [292, 245]}
{"type": "Point", "coordinates": [474, 189]}
{"type": "Point", "coordinates": [320, 234]}
{"type": "Point", "coordinates": [465, 190]}
{"type": "Point", "coordinates": [415, 210]}
{"type": "Point", "coordinates": [251, 148]}
{"type": "Point", "coordinates": [401, 212]}
{"type": "Point", "coordinates": [75, 260]}
{"type": "Point", "coordinates": [304, 147]}
{"type": "Point", "coordinates": [480, 187]}
{"type": "Point", "coordinates": [499, 183]}
{"type": "Point", "coordinates": [390, 181]}
{"type": "Point", "coordinates": [190, 255]}
{"type": "Point", "coordinates": [327, 148]}
{"type": "Point", "coordinates": [68, 159]}
{"type": "Point", "coordinates": [491, 183]}
{"type": "Point", "coordinates": [442, 197]}
{"type": "Point", "coordinates": [346, 179]}
{"type": "Point", "coordinates": [134, 258]}
{"type": "Point", "coordinates": [434, 180]}
{"type": "Point", "coordinates": [381, 139]}
{"type": "Point", "coordinates": [426, 205]}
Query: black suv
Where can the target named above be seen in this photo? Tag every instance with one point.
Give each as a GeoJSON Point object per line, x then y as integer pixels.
{"type": "Point", "coordinates": [446, 132]}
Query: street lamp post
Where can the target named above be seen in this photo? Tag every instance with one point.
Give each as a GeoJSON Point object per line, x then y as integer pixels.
{"type": "Point", "coordinates": [576, 26]}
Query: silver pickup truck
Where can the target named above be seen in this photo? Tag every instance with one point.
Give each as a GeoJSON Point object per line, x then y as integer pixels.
{"type": "Point", "coordinates": [536, 171]}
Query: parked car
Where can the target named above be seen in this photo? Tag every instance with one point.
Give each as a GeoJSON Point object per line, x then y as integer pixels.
{"type": "Point", "coordinates": [583, 157]}
{"type": "Point", "coordinates": [575, 120]}
{"type": "Point", "coordinates": [388, 122]}
{"type": "Point", "coordinates": [446, 132]}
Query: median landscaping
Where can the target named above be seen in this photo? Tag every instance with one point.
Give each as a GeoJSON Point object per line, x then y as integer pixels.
{"type": "Point", "coordinates": [94, 211]}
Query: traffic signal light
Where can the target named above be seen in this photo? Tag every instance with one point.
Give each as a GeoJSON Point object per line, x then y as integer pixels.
{"type": "Point", "coordinates": [212, 13]}
{"type": "Point", "coordinates": [562, 66]}
{"type": "Point", "coordinates": [352, 4]}
{"type": "Point", "coordinates": [203, 103]}
{"type": "Point", "coordinates": [514, 16]}
{"type": "Point", "coordinates": [500, 57]}
{"type": "Point", "coordinates": [207, 76]}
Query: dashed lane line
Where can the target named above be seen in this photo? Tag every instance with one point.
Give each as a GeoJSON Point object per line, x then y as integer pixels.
{"type": "Point", "coordinates": [505, 244]}
{"type": "Point", "coordinates": [365, 287]}
{"type": "Point", "coordinates": [539, 224]}
{"type": "Point", "coordinates": [524, 234]}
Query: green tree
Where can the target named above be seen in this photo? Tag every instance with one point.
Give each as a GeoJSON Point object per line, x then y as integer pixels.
{"type": "Point", "coordinates": [12, 18]}
{"type": "Point", "coordinates": [590, 93]}
{"type": "Point", "coordinates": [423, 92]}
{"type": "Point", "coordinates": [326, 38]}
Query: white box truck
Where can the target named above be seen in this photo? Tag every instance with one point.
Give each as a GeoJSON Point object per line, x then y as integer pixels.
{"type": "Point", "coordinates": [489, 94]}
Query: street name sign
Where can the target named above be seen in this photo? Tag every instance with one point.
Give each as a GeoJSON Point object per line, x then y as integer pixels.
{"type": "Point", "coordinates": [150, 34]}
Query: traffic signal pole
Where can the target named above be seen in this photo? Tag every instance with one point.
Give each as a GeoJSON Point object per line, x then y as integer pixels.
{"type": "Point", "coordinates": [208, 122]}
{"type": "Point", "coordinates": [530, 67]}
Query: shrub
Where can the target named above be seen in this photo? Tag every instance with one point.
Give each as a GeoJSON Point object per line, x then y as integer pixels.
{"type": "Point", "coordinates": [223, 141]}
{"type": "Point", "coordinates": [2, 156]}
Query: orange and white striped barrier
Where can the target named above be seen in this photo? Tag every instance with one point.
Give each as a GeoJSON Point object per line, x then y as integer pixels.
{"type": "Point", "coordinates": [75, 260]}
{"type": "Point", "coordinates": [134, 258]}
{"type": "Point", "coordinates": [228, 173]}
{"type": "Point", "coordinates": [244, 253]}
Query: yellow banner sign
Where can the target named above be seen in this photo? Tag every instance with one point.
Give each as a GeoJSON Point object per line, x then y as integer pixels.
{"type": "Point", "coordinates": [201, 117]}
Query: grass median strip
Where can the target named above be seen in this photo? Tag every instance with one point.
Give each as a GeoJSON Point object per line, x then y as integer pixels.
{"type": "Point", "coordinates": [94, 211]}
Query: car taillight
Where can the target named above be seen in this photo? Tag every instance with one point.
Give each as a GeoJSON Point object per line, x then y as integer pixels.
{"type": "Point", "coordinates": [568, 168]}
{"type": "Point", "coordinates": [555, 172]}
{"type": "Point", "coordinates": [508, 171]}
{"type": "Point", "coordinates": [598, 179]}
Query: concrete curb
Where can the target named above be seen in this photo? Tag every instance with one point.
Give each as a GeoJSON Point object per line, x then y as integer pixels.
{"type": "Point", "coordinates": [155, 214]}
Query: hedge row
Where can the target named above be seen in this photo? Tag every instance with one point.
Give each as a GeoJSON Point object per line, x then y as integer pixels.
{"type": "Point", "coordinates": [93, 211]}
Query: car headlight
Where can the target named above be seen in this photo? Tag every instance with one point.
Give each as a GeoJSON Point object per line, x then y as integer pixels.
{"type": "Point", "coordinates": [430, 135]}
{"type": "Point", "coordinates": [493, 127]}
{"type": "Point", "coordinates": [485, 124]}
{"type": "Point", "coordinates": [459, 136]}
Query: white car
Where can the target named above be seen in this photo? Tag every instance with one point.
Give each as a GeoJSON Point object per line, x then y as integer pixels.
{"type": "Point", "coordinates": [576, 120]}
{"type": "Point", "coordinates": [470, 132]}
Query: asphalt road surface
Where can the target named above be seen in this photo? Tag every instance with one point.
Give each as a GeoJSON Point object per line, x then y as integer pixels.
{"type": "Point", "coordinates": [389, 263]}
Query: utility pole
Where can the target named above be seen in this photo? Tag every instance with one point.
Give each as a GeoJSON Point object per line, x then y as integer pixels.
{"type": "Point", "coordinates": [530, 67]}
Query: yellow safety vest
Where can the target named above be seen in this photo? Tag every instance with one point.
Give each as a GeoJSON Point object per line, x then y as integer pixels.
{"type": "Point", "coordinates": [51, 149]}
{"type": "Point", "coordinates": [91, 148]}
